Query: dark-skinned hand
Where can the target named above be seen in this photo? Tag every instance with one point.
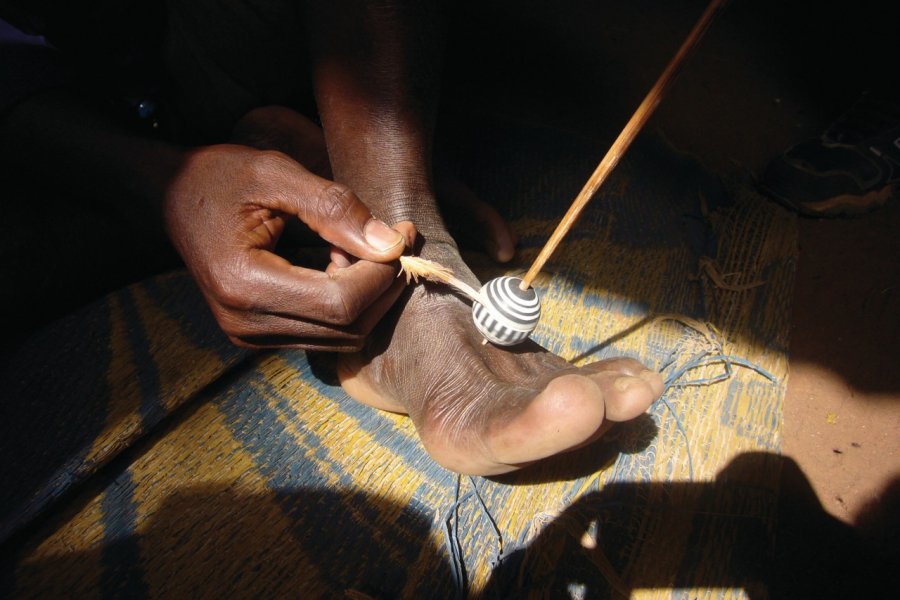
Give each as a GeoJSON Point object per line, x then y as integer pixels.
{"type": "Point", "coordinates": [225, 212]}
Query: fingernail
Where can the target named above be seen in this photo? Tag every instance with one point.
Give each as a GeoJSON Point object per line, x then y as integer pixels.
{"type": "Point", "coordinates": [380, 236]}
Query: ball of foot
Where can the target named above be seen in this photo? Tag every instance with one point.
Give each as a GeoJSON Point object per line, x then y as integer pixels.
{"type": "Point", "coordinates": [509, 313]}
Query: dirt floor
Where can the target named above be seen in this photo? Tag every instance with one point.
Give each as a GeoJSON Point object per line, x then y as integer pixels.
{"type": "Point", "coordinates": [841, 417]}
{"type": "Point", "coordinates": [842, 409]}
{"type": "Point", "coordinates": [764, 82]}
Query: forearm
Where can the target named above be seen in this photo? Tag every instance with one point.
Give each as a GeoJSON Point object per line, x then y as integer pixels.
{"type": "Point", "coordinates": [376, 81]}
{"type": "Point", "coordinates": [59, 137]}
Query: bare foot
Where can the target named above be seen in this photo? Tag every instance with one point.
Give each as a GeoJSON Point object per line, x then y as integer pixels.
{"type": "Point", "coordinates": [480, 409]}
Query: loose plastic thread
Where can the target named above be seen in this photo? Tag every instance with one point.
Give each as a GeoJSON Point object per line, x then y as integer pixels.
{"type": "Point", "coordinates": [451, 535]}
{"type": "Point", "coordinates": [671, 381]}
{"type": "Point", "coordinates": [712, 355]}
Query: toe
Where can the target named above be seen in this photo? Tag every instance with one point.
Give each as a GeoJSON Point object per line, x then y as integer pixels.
{"type": "Point", "coordinates": [628, 387]}
{"type": "Point", "coordinates": [568, 412]}
{"type": "Point", "coordinates": [627, 396]}
{"type": "Point", "coordinates": [621, 365]}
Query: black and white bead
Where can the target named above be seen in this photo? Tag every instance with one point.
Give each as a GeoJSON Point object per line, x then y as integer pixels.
{"type": "Point", "coordinates": [509, 313]}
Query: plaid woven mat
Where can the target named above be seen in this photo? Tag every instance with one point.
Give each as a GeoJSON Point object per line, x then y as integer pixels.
{"type": "Point", "coordinates": [143, 455]}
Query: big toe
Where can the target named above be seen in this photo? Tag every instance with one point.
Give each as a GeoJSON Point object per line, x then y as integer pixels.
{"type": "Point", "coordinates": [572, 410]}
{"type": "Point", "coordinates": [566, 413]}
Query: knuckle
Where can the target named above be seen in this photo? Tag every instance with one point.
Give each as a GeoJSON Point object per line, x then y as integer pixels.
{"type": "Point", "coordinates": [240, 342]}
{"type": "Point", "coordinates": [350, 340]}
{"type": "Point", "coordinates": [340, 306]}
{"type": "Point", "coordinates": [339, 311]}
{"type": "Point", "coordinates": [230, 292]}
{"type": "Point", "coordinates": [233, 325]}
{"type": "Point", "coordinates": [233, 332]}
{"type": "Point", "coordinates": [335, 204]}
{"type": "Point", "coordinates": [264, 164]}
{"type": "Point", "coordinates": [353, 345]}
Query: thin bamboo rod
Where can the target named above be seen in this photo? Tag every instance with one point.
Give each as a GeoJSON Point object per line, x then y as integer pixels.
{"type": "Point", "coordinates": [618, 148]}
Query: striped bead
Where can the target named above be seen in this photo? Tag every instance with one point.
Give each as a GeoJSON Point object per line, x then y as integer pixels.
{"type": "Point", "coordinates": [509, 313]}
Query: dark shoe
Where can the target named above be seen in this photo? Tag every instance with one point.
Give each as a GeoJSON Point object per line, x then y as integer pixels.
{"type": "Point", "coordinates": [852, 168]}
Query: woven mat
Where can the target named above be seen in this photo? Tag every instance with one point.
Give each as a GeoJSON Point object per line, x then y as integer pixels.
{"type": "Point", "coordinates": [145, 456]}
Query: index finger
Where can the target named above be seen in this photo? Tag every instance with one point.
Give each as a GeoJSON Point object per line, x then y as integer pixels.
{"type": "Point", "coordinates": [334, 212]}
{"type": "Point", "coordinates": [339, 298]}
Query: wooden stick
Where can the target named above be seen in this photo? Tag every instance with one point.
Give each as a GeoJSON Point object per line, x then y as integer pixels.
{"type": "Point", "coordinates": [618, 148]}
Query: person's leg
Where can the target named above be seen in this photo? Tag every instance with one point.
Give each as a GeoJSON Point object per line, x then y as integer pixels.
{"type": "Point", "coordinates": [478, 408]}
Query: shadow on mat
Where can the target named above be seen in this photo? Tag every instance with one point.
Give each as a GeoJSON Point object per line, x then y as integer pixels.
{"type": "Point", "coordinates": [219, 543]}
{"type": "Point", "coordinates": [727, 540]}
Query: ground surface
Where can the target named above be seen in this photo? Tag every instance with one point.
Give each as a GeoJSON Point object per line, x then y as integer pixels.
{"type": "Point", "coordinates": [842, 409]}
{"type": "Point", "coordinates": [841, 421]}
